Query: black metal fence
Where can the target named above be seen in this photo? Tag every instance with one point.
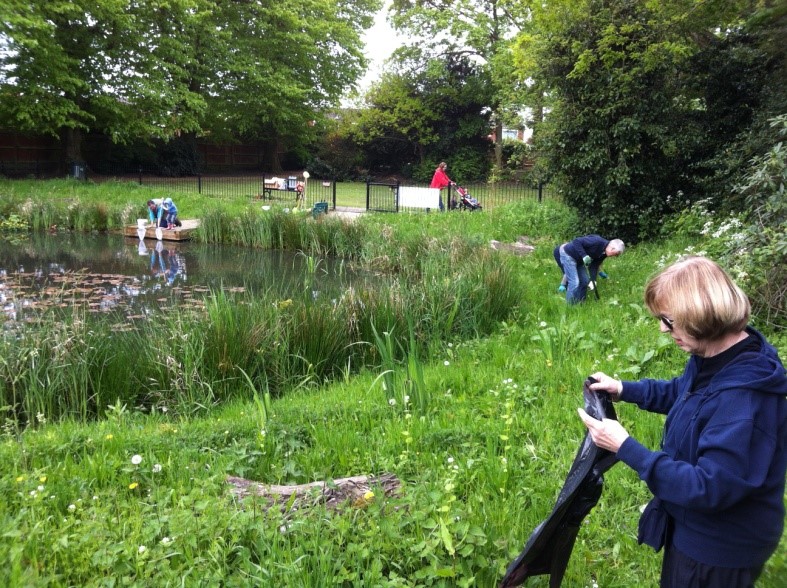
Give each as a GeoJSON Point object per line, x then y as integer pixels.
{"type": "Point", "coordinates": [295, 189]}
{"type": "Point", "coordinates": [37, 170]}
{"type": "Point", "coordinates": [385, 196]}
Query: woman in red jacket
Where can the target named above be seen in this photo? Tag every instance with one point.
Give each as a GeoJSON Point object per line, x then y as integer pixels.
{"type": "Point", "coordinates": [441, 180]}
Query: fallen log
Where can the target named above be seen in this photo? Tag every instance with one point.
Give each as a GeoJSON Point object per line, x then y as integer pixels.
{"type": "Point", "coordinates": [358, 491]}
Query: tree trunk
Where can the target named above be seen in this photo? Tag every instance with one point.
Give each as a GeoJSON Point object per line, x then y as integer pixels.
{"type": "Point", "coordinates": [499, 144]}
{"type": "Point", "coordinates": [72, 145]}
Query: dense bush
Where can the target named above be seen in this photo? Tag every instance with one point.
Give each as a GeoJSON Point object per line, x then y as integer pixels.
{"type": "Point", "coordinates": [766, 234]}
{"type": "Point", "coordinates": [752, 245]}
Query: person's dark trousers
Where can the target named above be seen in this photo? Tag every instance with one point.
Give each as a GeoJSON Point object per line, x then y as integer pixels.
{"type": "Point", "coordinates": [680, 571]}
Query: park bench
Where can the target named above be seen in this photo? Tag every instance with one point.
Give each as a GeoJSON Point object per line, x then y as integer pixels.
{"type": "Point", "coordinates": [274, 184]}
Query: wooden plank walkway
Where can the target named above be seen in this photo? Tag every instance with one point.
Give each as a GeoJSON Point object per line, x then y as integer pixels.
{"type": "Point", "coordinates": [182, 233]}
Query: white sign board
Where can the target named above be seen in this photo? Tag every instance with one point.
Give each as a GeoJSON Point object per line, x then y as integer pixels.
{"type": "Point", "coordinates": [412, 197]}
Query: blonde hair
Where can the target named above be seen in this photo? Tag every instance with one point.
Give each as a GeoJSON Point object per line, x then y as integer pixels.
{"type": "Point", "coordinates": [699, 297]}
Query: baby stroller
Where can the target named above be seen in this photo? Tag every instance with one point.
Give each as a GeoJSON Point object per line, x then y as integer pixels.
{"type": "Point", "coordinates": [464, 200]}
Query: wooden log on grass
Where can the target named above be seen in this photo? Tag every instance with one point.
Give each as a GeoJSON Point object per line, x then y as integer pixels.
{"type": "Point", "coordinates": [357, 491]}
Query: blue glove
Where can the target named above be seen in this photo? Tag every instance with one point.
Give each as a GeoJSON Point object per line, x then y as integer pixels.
{"type": "Point", "coordinates": [561, 288]}
{"type": "Point", "coordinates": [587, 260]}
{"type": "Point", "coordinates": [602, 275]}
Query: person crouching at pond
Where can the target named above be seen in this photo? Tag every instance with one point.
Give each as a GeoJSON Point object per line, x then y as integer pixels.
{"type": "Point", "coordinates": [170, 214]}
{"type": "Point", "coordinates": [580, 261]}
{"type": "Point", "coordinates": [156, 212]}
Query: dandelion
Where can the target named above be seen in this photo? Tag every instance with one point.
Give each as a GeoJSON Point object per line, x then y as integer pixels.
{"type": "Point", "coordinates": [41, 488]}
{"type": "Point", "coordinates": [369, 495]}
{"type": "Point", "coordinates": [133, 485]}
{"type": "Point", "coordinates": [72, 507]}
{"type": "Point", "coordinates": [136, 459]}
{"type": "Point", "coordinates": [142, 549]}
{"type": "Point", "coordinates": [392, 401]}
{"type": "Point", "coordinates": [95, 497]}
{"type": "Point", "coordinates": [156, 468]}
{"type": "Point", "coordinates": [446, 362]}
{"type": "Point", "coordinates": [542, 324]}
{"type": "Point", "coordinates": [109, 436]}
{"type": "Point", "coordinates": [450, 460]}
{"type": "Point", "coordinates": [20, 478]}
{"type": "Point", "coordinates": [42, 479]}
{"type": "Point", "coordinates": [283, 529]}
{"type": "Point", "coordinates": [33, 494]}
{"type": "Point", "coordinates": [166, 540]}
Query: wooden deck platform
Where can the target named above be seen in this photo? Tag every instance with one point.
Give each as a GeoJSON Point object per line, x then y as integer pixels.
{"type": "Point", "coordinates": [182, 233]}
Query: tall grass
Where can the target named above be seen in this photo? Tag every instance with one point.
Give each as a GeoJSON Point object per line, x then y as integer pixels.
{"type": "Point", "coordinates": [72, 365]}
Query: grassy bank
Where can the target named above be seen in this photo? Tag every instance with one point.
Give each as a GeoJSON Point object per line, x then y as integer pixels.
{"type": "Point", "coordinates": [480, 430]}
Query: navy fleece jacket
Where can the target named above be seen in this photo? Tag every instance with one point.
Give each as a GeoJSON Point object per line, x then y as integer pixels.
{"type": "Point", "coordinates": [592, 245]}
{"type": "Point", "coordinates": [721, 471]}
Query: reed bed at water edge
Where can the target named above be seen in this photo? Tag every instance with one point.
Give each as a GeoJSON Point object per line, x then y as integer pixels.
{"type": "Point", "coordinates": [73, 365]}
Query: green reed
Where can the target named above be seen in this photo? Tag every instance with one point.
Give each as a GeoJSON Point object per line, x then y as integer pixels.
{"type": "Point", "coordinates": [76, 365]}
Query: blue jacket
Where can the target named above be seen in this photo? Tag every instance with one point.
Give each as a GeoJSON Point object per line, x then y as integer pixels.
{"type": "Point", "coordinates": [721, 470]}
{"type": "Point", "coordinates": [592, 245]}
{"type": "Point", "coordinates": [159, 211]}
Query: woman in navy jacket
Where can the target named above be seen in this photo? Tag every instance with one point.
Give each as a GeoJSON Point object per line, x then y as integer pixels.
{"type": "Point", "coordinates": [718, 481]}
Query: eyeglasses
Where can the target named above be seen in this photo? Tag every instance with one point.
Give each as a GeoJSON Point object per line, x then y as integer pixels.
{"type": "Point", "coordinates": [669, 323]}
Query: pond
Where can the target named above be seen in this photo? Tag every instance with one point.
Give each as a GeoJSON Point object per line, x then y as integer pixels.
{"type": "Point", "coordinates": [105, 273]}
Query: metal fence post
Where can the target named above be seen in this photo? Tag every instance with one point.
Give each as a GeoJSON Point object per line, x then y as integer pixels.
{"type": "Point", "coordinates": [140, 175]}
{"type": "Point", "coordinates": [540, 190]}
{"type": "Point", "coordinates": [333, 195]}
{"type": "Point", "coordinates": [199, 184]}
{"type": "Point", "coordinates": [368, 191]}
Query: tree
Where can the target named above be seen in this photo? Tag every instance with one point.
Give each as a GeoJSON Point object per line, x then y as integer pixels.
{"type": "Point", "coordinates": [165, 68]}
{"type": "Point", "coordinates": [634, 117]}
{"type": "Point", "coordinates": [480, 30]}
{"type": "Point", "coordinates": [416, 118]}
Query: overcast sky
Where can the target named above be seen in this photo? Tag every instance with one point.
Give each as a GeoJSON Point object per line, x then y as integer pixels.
{"type": "Point", "coordinates": [381, 40]}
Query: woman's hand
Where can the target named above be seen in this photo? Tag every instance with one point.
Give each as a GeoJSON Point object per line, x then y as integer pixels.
{"type": "Point", "coordinates": [608, 434]}
{"type": "Point", "coordinates": [606, 383]}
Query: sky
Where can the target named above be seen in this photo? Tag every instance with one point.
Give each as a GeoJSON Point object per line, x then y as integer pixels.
{"type": "Point", "coordinates": [380, 40]}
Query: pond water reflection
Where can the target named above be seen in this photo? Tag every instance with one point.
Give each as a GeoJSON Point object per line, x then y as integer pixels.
{"type": "Point", "coordinates": [111, 273]}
